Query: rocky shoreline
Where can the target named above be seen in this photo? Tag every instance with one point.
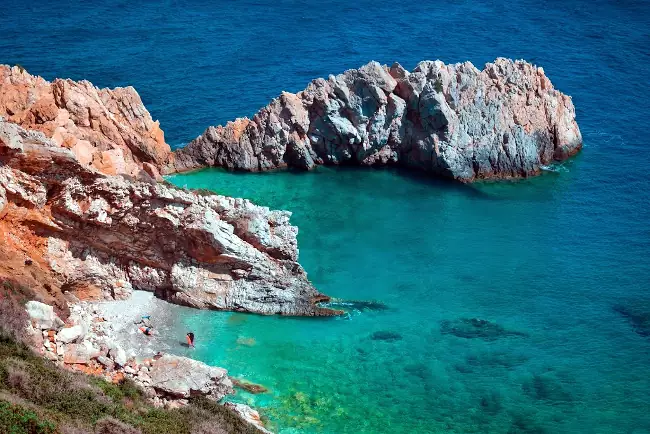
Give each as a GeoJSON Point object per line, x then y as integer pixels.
{"type": "Point", "coordinates": [453, 121]}
{"type": "Point", "coordinates": [84, 216]}
{"type": "Point", "coordinates": [92, 343]}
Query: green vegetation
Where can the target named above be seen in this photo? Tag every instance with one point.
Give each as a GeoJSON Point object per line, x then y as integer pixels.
{"type": "Point", "coordinates": [38, 397]}
{"type": "Point", "coordinates": [15, 419]}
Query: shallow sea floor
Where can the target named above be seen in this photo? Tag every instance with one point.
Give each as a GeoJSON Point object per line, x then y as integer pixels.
{"type": "Point", "coordinates": [560, 352]}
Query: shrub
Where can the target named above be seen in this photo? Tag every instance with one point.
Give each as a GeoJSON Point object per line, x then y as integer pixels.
{"type": "Point", "coordinates": [109, 425]}
{"type": "Point", "coordinates": [16, 419]}
{"type": "Point", "coordinates": [13, 316]}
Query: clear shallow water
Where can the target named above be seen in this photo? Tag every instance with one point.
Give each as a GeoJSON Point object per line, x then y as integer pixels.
{"type": "Point", "coordinates": [549, 258]}
{"type": "Point", "coordinates": [532, 256]}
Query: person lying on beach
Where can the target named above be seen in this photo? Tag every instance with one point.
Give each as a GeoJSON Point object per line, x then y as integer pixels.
{"type": "Point", "coordinates": [147, 330]}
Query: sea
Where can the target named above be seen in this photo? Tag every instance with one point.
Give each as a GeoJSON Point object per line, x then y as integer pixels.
{"type": "Point", "coordinates": [507, 307]}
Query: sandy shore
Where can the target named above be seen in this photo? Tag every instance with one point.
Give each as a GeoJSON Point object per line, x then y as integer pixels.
{"type": "Point", "coordinates": [120, 317]}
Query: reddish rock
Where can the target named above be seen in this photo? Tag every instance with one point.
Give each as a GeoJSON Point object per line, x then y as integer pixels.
{"type": "Point", "coordinates": [109, 129]}
{"type": "Point", "coordinates": [99, 236]}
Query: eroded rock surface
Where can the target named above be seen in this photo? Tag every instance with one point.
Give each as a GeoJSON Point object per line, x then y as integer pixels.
{"type": "Point", "coordinates": [181, 377]}
{"type": "Point", "coordinates": [99, 236]}
{"type": "Point", "coordinates": [456, 121]}
{"type": "Point", "coordinates": [107, 129]}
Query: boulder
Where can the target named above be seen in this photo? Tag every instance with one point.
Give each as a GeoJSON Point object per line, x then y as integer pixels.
{"type": "Point", "coordinates": [76, 354]}
{"type": "Point", "coordinates": [118, 355]}
{"type": "Point", "coordinates": [42, 316]}
{"type": "Point", "coordinates": [109, 364]}
{"type": "Point", "coordinates": [248, 414]}
{"type": "Point", "coordinates": [181, 377]}
{"type": "Point", "coordinates": [71, 334]}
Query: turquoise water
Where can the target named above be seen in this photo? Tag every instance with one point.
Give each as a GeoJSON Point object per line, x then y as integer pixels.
{"type": "Point", "coordinates": [536, 257]}
{"type": "Point", "coordinates": [560, 262]}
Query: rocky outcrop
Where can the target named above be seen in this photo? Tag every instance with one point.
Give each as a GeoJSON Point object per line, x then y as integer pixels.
{"type": "Point", "coordinates": [455, 121]}
{"type": "Point", "coordinates": [99, 236]}
{"type": "Point", "coordinates": [181, 377]}
{"type": "Point", "coordinates": [107, 129]}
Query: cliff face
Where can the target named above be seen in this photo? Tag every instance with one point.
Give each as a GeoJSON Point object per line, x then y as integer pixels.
{"type": "Point", "coordinates": [107, 129]}
{"type": "Point", "coordinates": [98, 236]}
{"type": "Point", "coordinates": [451, 120]}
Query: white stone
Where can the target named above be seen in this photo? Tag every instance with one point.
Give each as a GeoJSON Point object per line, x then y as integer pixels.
{"type": "Point", "coordinates": [72, 334]}
{"type": "Point", "coordinates": [42, 316]}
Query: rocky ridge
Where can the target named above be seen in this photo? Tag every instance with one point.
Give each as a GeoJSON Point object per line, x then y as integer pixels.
{"type": "Point", "coordinates": [98, 236]}
{"type": "Point", "coordinates": [107, 129]}
{"type": "Point", "coordinates": [454, 121]}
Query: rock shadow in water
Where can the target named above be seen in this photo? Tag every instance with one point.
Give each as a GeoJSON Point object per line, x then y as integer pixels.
{"type": "Point", "coordinates": [547, 387]}
{"type": "Point", "coordinates": [474, 328]}
{"type": "Point", "coordinates": [638, 314]}
{"type": "Point", "coordinates": [386, 335]}
{"type": "Point", "coordinates": [491, 360]}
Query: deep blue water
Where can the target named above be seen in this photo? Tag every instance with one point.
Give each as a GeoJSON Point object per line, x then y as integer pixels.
{"type": "Point", "coordinates": [563, 259]}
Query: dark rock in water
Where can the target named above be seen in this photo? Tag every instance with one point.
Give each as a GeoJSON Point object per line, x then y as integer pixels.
{"type": "Point", "coordinates": [472, 328]}
{"type": "Point", "coordinates": [385, 335]}
{"type": "Point", "coordinates": [546, 387]}
{"type": "Point", "coordinates": [248, 386]}
{"type": "Point", "coordinates": [525, 424]}
{"type": "Point", "coordinates": [361, 305]}
{"type": "Point", "coordinates": [638, 314]}
{"type": "Point", "coordinates": [491, 403]}
{"type": "Point", "coordinates": [496, 360]}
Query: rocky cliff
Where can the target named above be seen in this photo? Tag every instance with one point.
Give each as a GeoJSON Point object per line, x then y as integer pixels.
{"type": "Point", "coordinates": [98, 236]}
{"type": "Point", "coordinates": [107, 129]}
{"type": "Point", "coordinates": [455, 121]}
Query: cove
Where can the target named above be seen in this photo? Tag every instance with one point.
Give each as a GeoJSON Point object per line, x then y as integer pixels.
{"type": "Point", "coordinates": [490, 320]}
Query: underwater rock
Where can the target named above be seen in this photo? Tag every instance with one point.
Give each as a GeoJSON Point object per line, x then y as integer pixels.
{"type": "Point", "coordinates": [453, 121]}
{"type": "Point", "coordinates": [547, 387]}
{"type": "Point", "coordinates": [249, 386]}
{"type": "Point", "coordinates": [359, 305]}
{"type": "Point", "coordinates": [496, 359]}
{"type": "Point", "coordinates": [474, 328]}
{"type": "Point", "coordinates": [248, 342]}
{"type": "Point", "coordinates": [386, 335]}
{"type": "Point", "coordinates": [638, 314]}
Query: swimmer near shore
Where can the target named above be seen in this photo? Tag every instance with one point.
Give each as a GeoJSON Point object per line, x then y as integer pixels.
{"type": "Point", "coordinates": [190, 339]}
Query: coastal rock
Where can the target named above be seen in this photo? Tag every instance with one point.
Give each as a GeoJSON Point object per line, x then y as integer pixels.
{"type": "Point", "coordinates": [248, 414]}
{"type": "Point", "coordinates": [98, 236]}
{"type": "Point", "coordinates": [70, 334]}
{"type": "Point", "coordinates": [455, 121]}
{"type": "Point", "coordinates": [118, 355]}
{"type": "Point", "coordinates": [181, 377]}
{"type": "Point", "coordinates": [42, 316]}
{"type": "Point", "coordinates": [77, 354]}
{"type": "Point", "coordinates": [107, 129]}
